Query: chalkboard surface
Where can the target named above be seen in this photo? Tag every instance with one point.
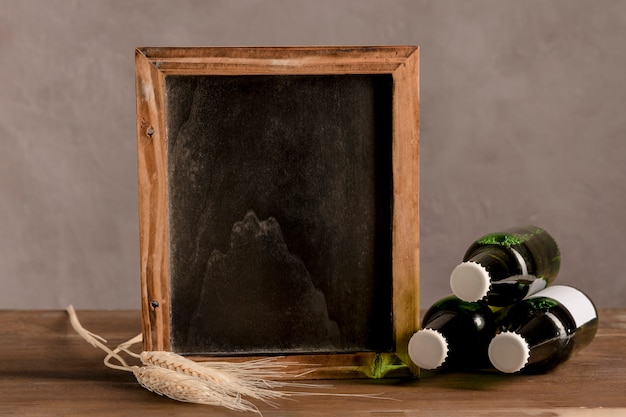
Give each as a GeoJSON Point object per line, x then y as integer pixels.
{"type": "Point", "coordinates": [280, 205]}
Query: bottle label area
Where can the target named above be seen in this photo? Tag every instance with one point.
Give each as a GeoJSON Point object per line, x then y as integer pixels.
{"type": "Point", "coordinates": [578, 304]}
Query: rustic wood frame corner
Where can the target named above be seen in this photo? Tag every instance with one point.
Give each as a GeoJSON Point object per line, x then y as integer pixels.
{"type": "Point", "coordinates": [153, 65]}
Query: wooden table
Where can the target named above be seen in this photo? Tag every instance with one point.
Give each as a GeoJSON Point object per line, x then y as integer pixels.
{"type": "Point", "coordinates": [46, 369]}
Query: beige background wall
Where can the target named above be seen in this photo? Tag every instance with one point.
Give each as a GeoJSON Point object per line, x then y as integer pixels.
{"type": "Point", "coordinates": [523, 107]}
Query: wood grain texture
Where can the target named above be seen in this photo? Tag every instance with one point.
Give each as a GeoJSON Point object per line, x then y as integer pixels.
{"type": "Point", "coordinates": [406, 223]}
{"type": "Point", "coordinates": [153, 225]}
{"type": "Point", "coordinates": [47, 369]}
{"type": "Point", "coordinates": [153, 65]}
{"type": "Point", "coordinates": [279, 60]}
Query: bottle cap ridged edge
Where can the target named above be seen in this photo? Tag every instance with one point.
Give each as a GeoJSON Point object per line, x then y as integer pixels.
{"type": "Point", "coordinates": [508, 352]}
{"type": "Point", "coordinates": [470, 281]}
{"type": "Point", "coordinates": [428, 348]}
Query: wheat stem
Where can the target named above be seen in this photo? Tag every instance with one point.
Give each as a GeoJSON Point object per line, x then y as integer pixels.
{"type": "Point", "coordinates": [96, 341]}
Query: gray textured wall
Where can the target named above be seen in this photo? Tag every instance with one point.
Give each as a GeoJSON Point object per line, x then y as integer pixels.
{"type": "Point", "coordinates": [523, 107]}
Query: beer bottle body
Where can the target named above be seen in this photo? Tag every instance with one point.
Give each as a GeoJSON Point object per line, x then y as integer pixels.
{"type": "Point", "coordinates": [455, 334]}
{"type": "Point", "coordinates": [544, 330]}
{"type": "Point", "coordinates": [505, 267]}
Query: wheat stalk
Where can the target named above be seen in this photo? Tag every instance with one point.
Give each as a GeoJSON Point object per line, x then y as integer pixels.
{"type": "Point", "coordinates": [168, 374]}
{"type": "Point", "coordinates": [210, 383]}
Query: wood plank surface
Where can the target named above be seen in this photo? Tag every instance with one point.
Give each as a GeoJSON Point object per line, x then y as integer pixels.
{"type": "Point", "coordinates": [46, 369]}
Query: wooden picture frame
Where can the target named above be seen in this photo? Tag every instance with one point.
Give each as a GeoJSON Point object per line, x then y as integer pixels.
{"type": "Point", "coordinates": [310, 153]}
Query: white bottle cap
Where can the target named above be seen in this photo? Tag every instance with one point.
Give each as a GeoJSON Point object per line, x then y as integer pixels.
{"type": "Point", "coordinates": [508, 352]}
{"type": "Point", "coordinates": [428, 349]}
{"type": "Point", "coordinates": [470, 281]}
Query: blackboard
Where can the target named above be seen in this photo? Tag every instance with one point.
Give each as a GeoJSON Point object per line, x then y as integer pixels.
{"type": "Point", "coordinates": [273, 198]}
{"type": "Point", "coordinates": [280, 202]}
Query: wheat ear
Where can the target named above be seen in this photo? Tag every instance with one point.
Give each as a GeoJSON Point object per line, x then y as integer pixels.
{"type": "Point", "coordinates": [182, 387]}
{"type": "Point", "coordinates": [232, 379]}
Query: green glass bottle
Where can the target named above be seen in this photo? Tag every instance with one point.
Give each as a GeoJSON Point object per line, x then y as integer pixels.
{"type": "Point", "coordinates": [503, 268]}
{"type": "Point", "coordinates": [455, 334]}
{"type": "Point", "coordinates": [544, 330]}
